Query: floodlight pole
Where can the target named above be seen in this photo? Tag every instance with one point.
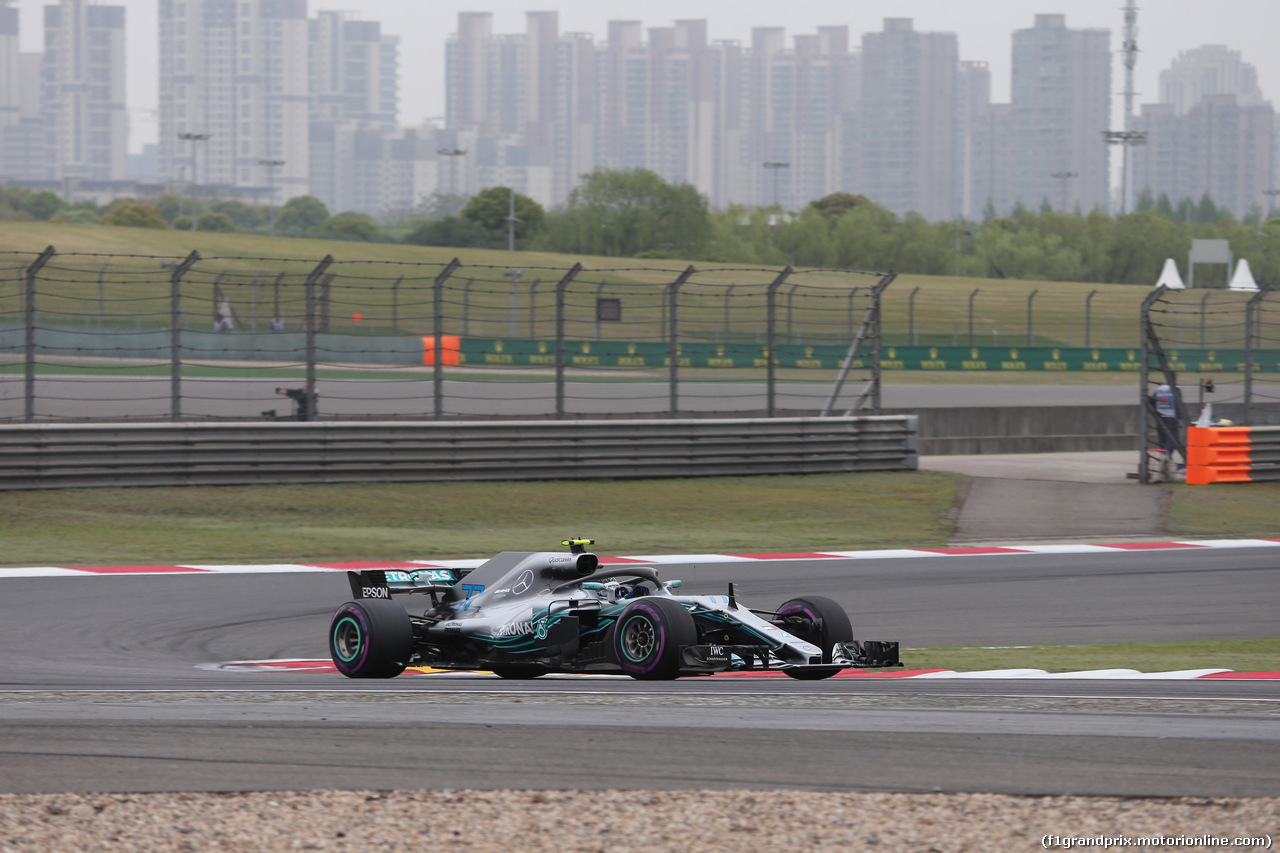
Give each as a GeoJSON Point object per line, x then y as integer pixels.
{"type": "Point", "coordinates": [1128, 139]}
{"type": "Point", "coordinates": [271, 165]}
{"type": "Point", "coordinates": [193, 138]}
{"type": "Point", "coordinates": [775, 166]}
{"type": "Point", "coordinates": [1064, 177]}
{"type": "Point", "coordinates": [452, 153]}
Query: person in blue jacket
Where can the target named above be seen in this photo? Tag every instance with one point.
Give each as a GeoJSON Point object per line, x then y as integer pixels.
{"type": "Point", "coordinates": [1166, 402]}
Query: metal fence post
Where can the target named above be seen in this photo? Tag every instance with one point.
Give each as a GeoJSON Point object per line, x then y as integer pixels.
{"type": "Point", "coordinates": [437, 329]}
{"type": "Point", "coordinates": [253, 302]}
{"type": "Point", "coordinates": [533, 308]}
{"type": "Point", "coordinates": [728, 293]}
{"type": "Point", "coordinates": [1144, 404]}
{"type": "Point", "coordinates": [971, 295]}
{"type": "Point", "coordinates": [1031, 323]}
{"type": "Point", "coordinates": [870, 326]}
{"type": "Point", "coordinates": [102, 271]}
{"type": "Point", "coordinates": [1204, 301]}
{"type": "Point", "coordinates": [912, 337]}
{"type": "Point", "coordinates": [673, 350]}
{"type": "Point", "coordinates": [877, 329]}
{"type": "Point", "coordinates": [791, 294]}
{"type": "Point", "coordinates": [395, 304]}
{"type": "Point", "coordinates": [466, 307]}
{"type": "Point", "coordinates": [310, 407]}
{"type": "Point", "coordinates": [1251, 309]}
{"type": "Point", "coordinates": [29, 385]}
{"type": "Point", "coordinates": [175, 335]}
{"type": "Point", "coordinates": [561, 287]}
{"type": "Point", "coordinates": [771, 338]}
{"type": "Point", "coordinates": [599, 295]}
{"type": "Point", "coordinates": [1088, 317]}
{"type": "Point", "coordinates": [275, 297]}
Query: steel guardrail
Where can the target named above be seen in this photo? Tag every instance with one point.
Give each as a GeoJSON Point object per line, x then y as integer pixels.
{"type": "Point", "coordinates": [42, 456]}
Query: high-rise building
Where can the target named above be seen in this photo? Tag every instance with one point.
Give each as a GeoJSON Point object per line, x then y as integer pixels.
{"type": "Point", "coordinates": [10, 81]}
{"type": "Point", "coordinates": [1060, 107]}
{"type": "Point", "coordinates": [975, 139]}
{"type": "Point", "coordinates": [802, 101]}
{"type": "Point", "coordinates": [1218, 147]}
{"type": "Point", "coordinates": [236, 73]}
{"type": "Point", "coordinates": [82, 91]}
{"type": "Point", "coordinates": [1213, 132]}
{"type": "Point", "coordinates": [907, 122]}
{"type": "Point", "coordinates": [1209, 70]}
{"type": "Point", "coordinates": [354, 88]}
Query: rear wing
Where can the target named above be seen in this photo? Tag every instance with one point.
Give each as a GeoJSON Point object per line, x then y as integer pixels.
{"type": "Point", "coordinates": [383, 583]}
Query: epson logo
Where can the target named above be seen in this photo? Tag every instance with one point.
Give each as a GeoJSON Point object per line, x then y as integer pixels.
{"type": "Point", "coordinates": [375, 592]}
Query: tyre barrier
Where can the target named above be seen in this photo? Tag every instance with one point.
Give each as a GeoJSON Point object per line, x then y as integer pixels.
{"type": "Point", "coordinates": [47, 456]}
{"type": "Point", "coordinates": [1233, 455]}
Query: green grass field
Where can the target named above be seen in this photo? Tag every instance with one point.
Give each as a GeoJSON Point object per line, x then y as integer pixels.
{"type": "Point", "coordinates": [1240, 655]}
{"type": "Point", "coordinates": [400, 521]}
{"type": "Point", "coordinates": [818, 313]}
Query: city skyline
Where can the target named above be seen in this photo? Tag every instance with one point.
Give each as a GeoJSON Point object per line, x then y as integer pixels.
{"type": "Point", "coordinates": [1164, 32]}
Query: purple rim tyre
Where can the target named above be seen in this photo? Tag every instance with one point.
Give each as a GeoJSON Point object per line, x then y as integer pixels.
{"type": "Point", "coordinates": [370, 639]}
{"type": "Point", "coordinates": [649, 637]}
{"type": "Point", "coordinates": [828, 624]}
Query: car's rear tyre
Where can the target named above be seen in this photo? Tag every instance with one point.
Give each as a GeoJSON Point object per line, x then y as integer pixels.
{"type": "Point", "coordinates": [518, 671]}
{"type": "Point", "coordinates": [649, 637]}
{"type": "Point", "coordinates": [823, 623]}
{"type": "Point", "coordinates": [370, 639]}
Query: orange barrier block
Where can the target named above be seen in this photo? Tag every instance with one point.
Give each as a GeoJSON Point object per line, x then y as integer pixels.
{"type": "Point", "coordinates": [1236, 455]}
{"type": "Point", "coordinates": [1204, 475]}
{"type": "Point", "coordinates": [1218, 436]}
{"type": "Point", "coordinates": [451, 350]}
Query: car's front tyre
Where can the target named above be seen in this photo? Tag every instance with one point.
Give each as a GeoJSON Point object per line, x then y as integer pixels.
{"type": "Point", "coordinates": [370, 639]}
{"type": "Point", "coordinates": [819, 620]}
{"type": "Point", "coordinates": [650, 636]}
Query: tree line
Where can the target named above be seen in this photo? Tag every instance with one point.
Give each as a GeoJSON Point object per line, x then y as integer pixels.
{"type": "Point", "coordinates": [636, 214]}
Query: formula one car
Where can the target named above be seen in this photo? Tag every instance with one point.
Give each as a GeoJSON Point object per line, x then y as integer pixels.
{"type": "Point", "coordinates": [522, 615]}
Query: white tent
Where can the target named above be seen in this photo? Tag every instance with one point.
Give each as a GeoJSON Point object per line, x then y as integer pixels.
{"type": "Point", "coordinates": [1169, 276]}
{"type": "Point", "coordinates": [1243, 279]}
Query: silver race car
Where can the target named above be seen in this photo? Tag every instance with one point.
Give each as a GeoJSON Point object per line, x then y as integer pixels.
{"type": "Point", "coordinates": [521, 615]}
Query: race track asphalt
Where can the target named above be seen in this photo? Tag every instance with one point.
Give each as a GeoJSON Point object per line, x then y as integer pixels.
{"type": "Point", "coordinates": [101, 690]}
{"type": "Point", "coordinates": [74, 397]}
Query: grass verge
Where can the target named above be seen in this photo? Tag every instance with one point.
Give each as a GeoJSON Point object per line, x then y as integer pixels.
{"type": "Point", "coordinates": [1239, 655]}
{"type": "Point", "coordinates": [256, 524]}
{"type": "Point", "coordinates": [1226, 509]}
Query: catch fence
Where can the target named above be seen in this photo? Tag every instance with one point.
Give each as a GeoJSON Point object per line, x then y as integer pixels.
{"type": "Point", "coordinates": [143, 338]}
{"type": "Point", "coordinates": [1214, 347]}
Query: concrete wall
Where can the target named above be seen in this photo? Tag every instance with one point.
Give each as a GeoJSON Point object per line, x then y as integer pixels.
{"type": "Point", "coordinates": [1026, 429]}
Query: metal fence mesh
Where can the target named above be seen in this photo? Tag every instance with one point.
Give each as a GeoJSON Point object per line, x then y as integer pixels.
{"type": "Point", "coordinates": [96, 337]}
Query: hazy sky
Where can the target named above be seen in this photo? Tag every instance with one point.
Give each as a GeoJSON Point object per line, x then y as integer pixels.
{"type": "Point", "coordinates": [984, 28]}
